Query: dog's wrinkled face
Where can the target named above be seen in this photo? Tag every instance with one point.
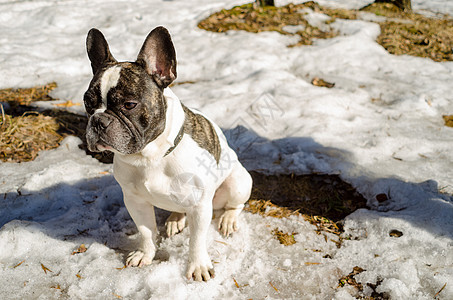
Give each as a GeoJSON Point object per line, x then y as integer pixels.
{"type": "Point", "coordinates": [126, 109]}
{"type": "Point", "coordinates": [125, 101]}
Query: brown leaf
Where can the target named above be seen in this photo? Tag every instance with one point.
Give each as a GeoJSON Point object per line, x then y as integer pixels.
{"type": "Point", "coordinates": [81, 249]}
{"type": "Point", "coordinates": [322, 83]}
{"type": "Point", "coordinates": [448, 119]}
{"type": "Point", "coordinates": [395, 233]}
{"type": "Point", "coordinates": [68, 103]}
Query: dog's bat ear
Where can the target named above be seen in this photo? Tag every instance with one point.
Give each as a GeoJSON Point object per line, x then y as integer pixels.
{"type": "Point", "coordinates": [158, 56]}
{"type": "Point", "coordinates": [98, 50]}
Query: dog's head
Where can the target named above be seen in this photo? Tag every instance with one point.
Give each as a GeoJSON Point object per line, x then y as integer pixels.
{"type": "Point", "coordinates": [125, 101]}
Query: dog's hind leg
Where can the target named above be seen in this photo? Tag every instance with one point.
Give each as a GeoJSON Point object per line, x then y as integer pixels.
{"type": "Point", "coordinates": [175, 223]}
{"type": "Point", "coordinates": [231, 196]}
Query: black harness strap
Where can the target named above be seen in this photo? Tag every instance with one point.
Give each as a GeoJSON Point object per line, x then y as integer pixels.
{"type": "Point", "coordinates": [178, 139]}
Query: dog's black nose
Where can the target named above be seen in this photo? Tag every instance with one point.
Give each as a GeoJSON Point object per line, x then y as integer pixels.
{"type": "Point", "coordinates": [101, 122]}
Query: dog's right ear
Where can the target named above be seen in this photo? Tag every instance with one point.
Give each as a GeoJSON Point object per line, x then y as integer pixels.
{"type": "Point", "coordinates": [98, 50]}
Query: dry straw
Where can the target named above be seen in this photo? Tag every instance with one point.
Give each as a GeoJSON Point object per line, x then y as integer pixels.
{"type": "Point", "coordinates": [26, 131]}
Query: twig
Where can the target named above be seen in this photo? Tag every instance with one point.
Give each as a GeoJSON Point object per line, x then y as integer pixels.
{"type": "Point", "coordinates": [3, 114]}
{"type": "Point", "coordinates": [45, 269]}
{"type": "Point", "coordinates": [273, 287]}
{"type": "Point", "coordinates": [19, 264]}
{"type": "Point", "coordinates": [236, 283]}
{"type": "Point", "coordinates": [437, 294]}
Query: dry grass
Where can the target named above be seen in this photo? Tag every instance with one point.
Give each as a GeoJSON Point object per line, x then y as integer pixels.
{"type": "Point", "coordinates": [408, 32]}
{"type": "Point", "coordinates": [286, 239]}
{"type": "Point", "coordinates": [323, 200]}
{"type": "Point", "coordinates": [25, 131]}
{"type": "Point", "coordinates": [16, 97]}
{"type": "Point", "coordinates": [414, 34]}
{"type": "Point", "coordinates": [267, 209]}
{"type": "Point", "coordinates": [349, 279]}
{"type": "Point", "coordinates": [268, 18]}
{"type": "Point", "coordinates": [401, 33]}
{"type": "Point", "coordinates": [316, 195]}
{"type": "Point", "coordinates": [22, 137]}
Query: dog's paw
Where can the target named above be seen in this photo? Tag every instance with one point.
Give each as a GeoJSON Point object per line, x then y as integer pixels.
{"type": "Point", "coordinates": [200, 271]}
{"type": "Point", "coordinates": [138, 258]}
{"type": "Point", "coordinates": [228, 222]}
{"type": "Point", "coordinates": [175, 223]}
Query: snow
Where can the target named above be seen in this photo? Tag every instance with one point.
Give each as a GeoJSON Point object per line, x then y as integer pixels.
{"type": "Point", "coordinates": [380, 128]}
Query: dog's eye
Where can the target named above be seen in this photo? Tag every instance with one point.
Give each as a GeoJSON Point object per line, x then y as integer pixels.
{"type": "Point", "coordinates": [130, 105]}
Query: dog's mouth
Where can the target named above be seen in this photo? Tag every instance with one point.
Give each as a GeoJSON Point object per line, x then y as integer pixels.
{"type": "Point", "coordinates": [119, 143]}
{"type": "Point", "coordinates": [96, 143]}
{"type": "Point", "coordinates": [101, 147]}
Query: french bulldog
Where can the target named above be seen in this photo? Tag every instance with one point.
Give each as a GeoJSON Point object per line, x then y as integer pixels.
{"type": "Point", "coordinates": [165, 154]}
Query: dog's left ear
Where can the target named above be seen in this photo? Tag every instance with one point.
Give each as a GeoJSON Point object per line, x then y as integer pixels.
{"type": "Point", "coordinates": [158, 57]}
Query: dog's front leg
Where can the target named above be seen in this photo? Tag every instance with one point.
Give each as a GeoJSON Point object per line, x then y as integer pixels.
{"type": "Point", "coordinates": [145, 220]}
{"type": "Point", "coordinates": [200, 265]}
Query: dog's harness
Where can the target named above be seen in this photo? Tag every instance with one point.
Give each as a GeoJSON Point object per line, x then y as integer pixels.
{"type": "Point", "coordinates": [178, 139]}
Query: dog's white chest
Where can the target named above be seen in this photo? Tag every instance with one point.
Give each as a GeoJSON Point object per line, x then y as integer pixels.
{"type": "Point", "coordinates": [176, 183]}
{"type": "Point", "coordinates": [147, 184]}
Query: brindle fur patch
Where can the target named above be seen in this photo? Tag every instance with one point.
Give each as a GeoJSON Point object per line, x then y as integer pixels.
{"type": "Point", "coordinates": [202, 132]}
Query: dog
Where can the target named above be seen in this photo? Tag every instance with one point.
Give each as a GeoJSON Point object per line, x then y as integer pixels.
{"type": "Point", "coordinates": [165, 154]}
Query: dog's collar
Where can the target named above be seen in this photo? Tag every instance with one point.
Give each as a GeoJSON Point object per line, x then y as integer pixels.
{"type": "Point", "coordinates": [178, 139]}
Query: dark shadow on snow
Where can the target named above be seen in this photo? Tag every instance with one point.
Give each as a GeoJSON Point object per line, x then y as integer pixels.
{"type": "Point", "coordinates": [93, 210]}
{"type": "Point", "coordinates": [328, 195]}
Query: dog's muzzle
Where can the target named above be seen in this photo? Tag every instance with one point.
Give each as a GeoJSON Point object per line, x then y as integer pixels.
{"type": "Point", "coordinates": [96, 129]}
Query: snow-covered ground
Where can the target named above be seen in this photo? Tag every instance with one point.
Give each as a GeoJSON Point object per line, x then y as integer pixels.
{"type": "Point", "coordinates": [380, 128]}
